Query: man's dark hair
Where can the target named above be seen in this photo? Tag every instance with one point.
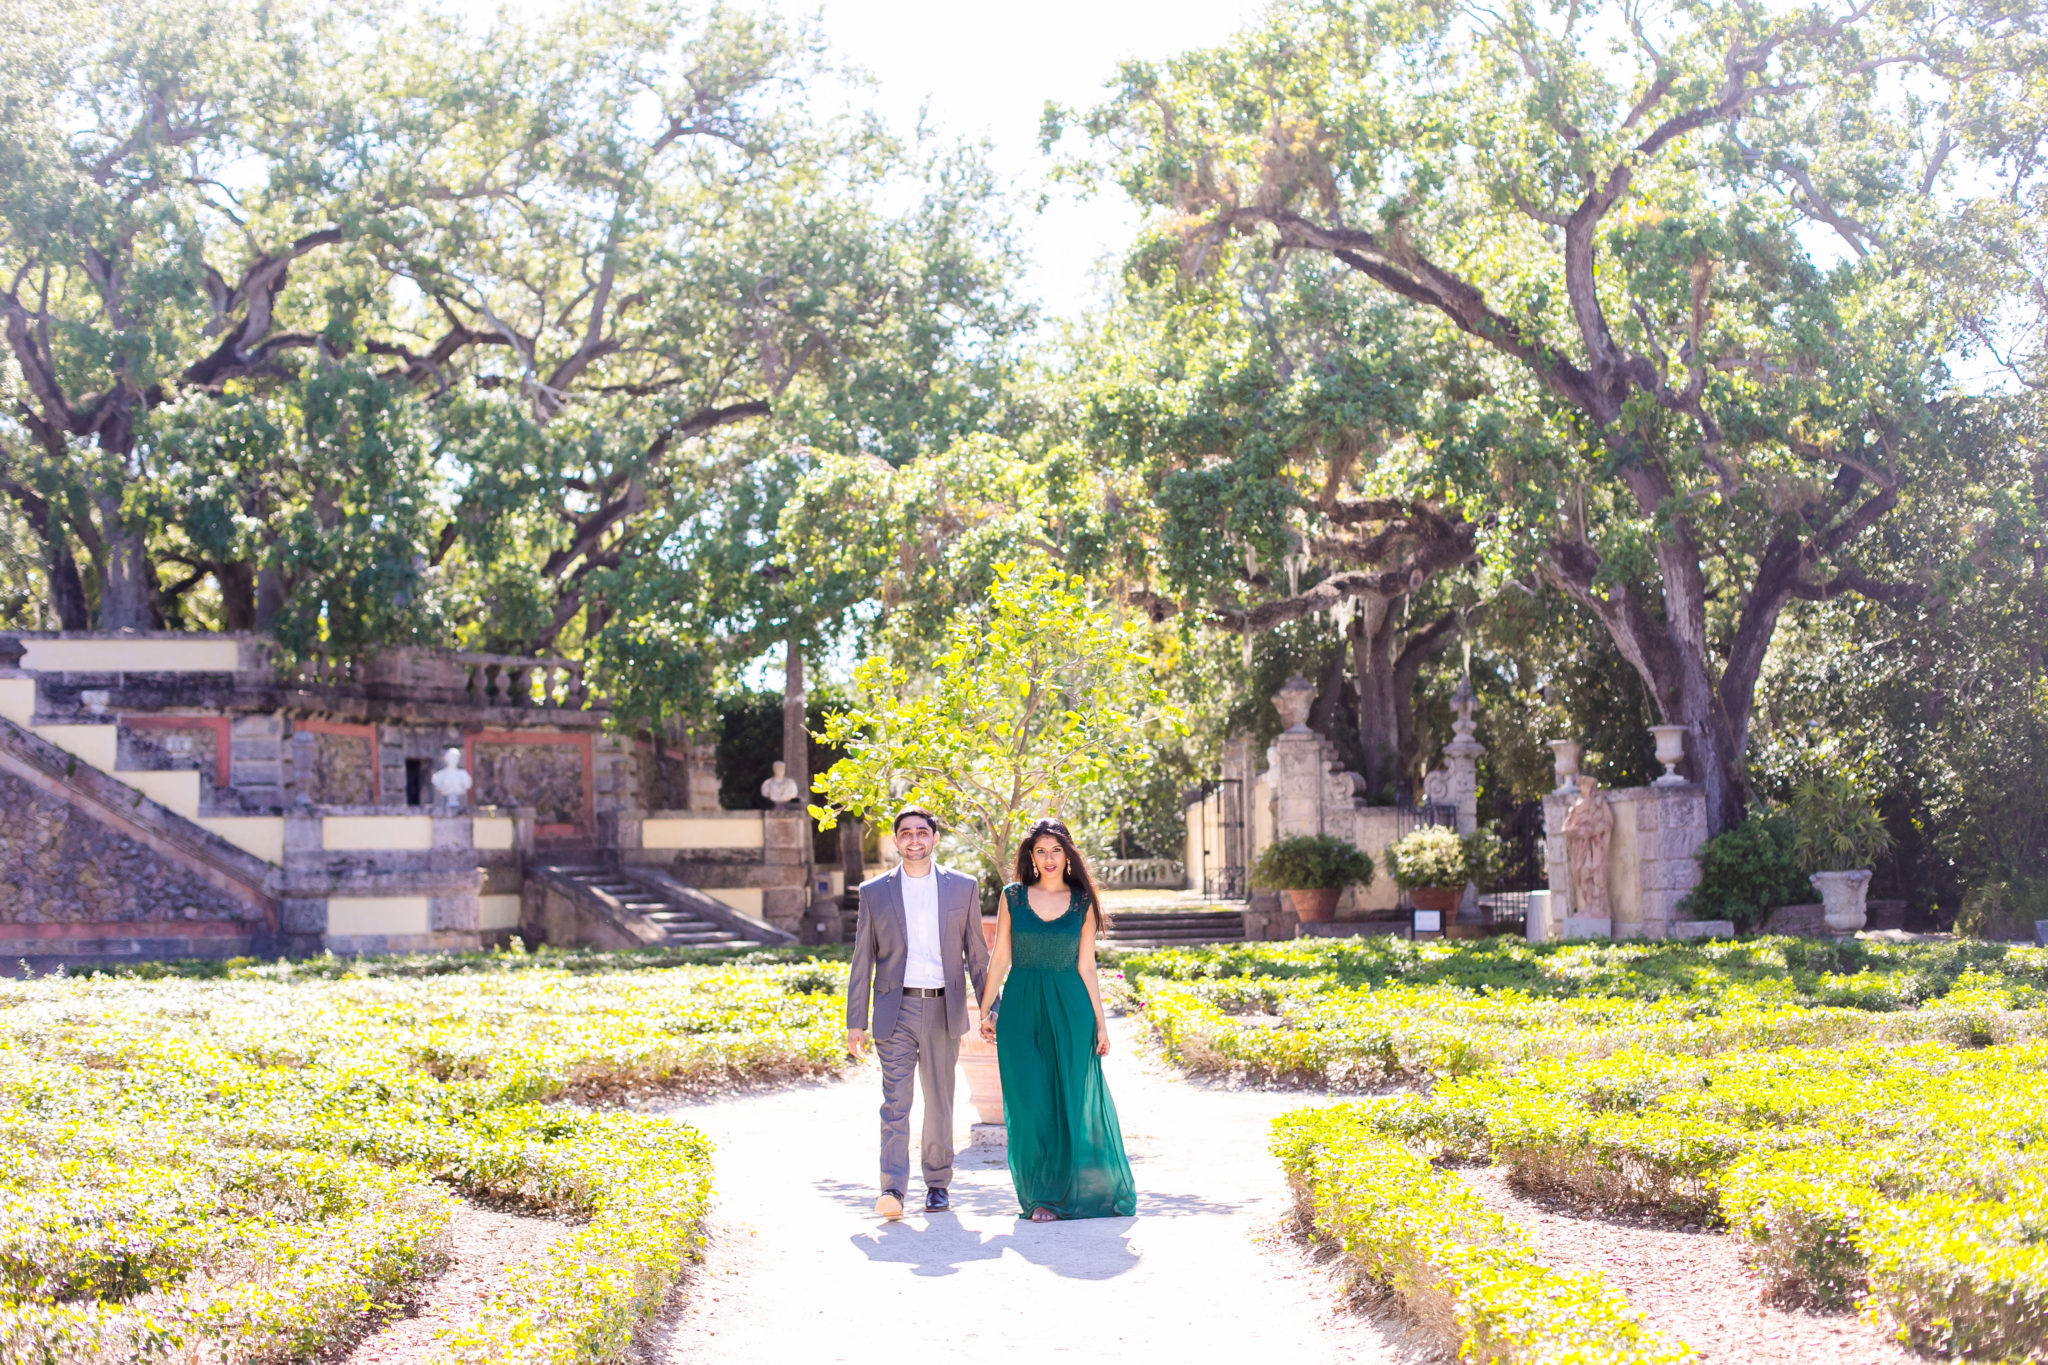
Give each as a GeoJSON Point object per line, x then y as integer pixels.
{"type": "Point", "coordinates": [914, 813]}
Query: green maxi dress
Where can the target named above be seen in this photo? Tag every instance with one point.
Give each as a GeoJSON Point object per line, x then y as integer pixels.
{"type": "Point", "coordinates": [1066, 1148]}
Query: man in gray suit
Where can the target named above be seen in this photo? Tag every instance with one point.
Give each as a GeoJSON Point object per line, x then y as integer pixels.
{"type": "Point", "coordinates": [918, 943]}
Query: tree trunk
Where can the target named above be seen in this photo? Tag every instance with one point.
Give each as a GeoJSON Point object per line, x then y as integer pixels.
{"type": "Point", "coordinates": [270, 596]}
{"type": "Point", "coordinates": [1379, 709]}
{"type": "Point", "coordinates": [796, 737]}
{"type": "Point", "coordinates": [67, 588]}
{"type": "Point", "coordinates": [1420, 648]}
{"type": "Point", "coordinates": [237, 594]}
{"type": "Point", "coordinates": [128, 586]}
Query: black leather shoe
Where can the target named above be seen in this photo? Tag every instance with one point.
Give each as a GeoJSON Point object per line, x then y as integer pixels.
{"type": "Point", "coordinates": [935, 1201]}
{"type": "Point", "coordinates": [890, 1204]}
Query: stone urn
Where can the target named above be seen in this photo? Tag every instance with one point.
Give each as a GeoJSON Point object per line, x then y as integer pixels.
{"type": "Point", "coordinates": [1841, 899]}
{"type": "Point", "coordinates": [1314, 906]}
{"type": "Point", "coordinates": [1670, 753]}
{"type": "Point", "coordinates": [1565, 762]}
{"type": "Point", "coordinates": [1294, 701]}
{"type": "Point", "coordinates": [984, 1079]}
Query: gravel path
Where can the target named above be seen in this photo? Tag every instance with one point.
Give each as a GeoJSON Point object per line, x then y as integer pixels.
{"type": "Point", "coordinates": [799, 1268]}
{"type": "Point", "coordinates": [1692, 1285]}
{"type": "Point", "coordinates": [483, 1246]}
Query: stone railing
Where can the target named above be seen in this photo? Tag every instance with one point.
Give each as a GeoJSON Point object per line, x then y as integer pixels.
{"type": "Point", "coordinates": [1150, 874]}
{"type": "Point", "coordinates": [517, 681]}
{"type": "Point", "coordinates": [511, 680]}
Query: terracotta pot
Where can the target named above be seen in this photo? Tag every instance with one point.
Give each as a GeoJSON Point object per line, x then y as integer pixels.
{"type": "Point", "coordinates": [1444, 898]}
{"type": "Point", "coordinates": [988, 931]}
{"type": "Point", "coordinates": [1314, 907]}
{"type": "Point", "coordinates": [984, 1080]}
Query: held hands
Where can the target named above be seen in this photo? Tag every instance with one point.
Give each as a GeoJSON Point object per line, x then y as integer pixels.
{"type": "Point", "coordinates": [988, 1028]}
{"type": "Point", "coordinates": [856, 1042]}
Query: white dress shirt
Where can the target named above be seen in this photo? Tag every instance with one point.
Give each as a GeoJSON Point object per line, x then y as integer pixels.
{"type": "Point", "coordinates": [925, 968]}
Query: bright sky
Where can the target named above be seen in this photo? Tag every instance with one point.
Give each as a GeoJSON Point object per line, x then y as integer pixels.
{"type": "Point", "coordinates": [987, 72]}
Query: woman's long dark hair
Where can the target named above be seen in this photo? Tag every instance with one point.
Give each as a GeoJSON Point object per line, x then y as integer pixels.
{"type": "Point", "coordinates": [1077, 866]}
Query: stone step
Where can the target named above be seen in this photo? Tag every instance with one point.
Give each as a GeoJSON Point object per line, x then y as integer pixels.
{"type": "Point", "coordinates": [679, 925]}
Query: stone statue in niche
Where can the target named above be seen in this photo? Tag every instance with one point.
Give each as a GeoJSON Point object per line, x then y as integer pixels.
{"type": "Point", "coordinates": [1588, 829]}
{"type": "Point", "coordinates": [781, 788]}
{"type": "Point", "coordinates": [451, 783]}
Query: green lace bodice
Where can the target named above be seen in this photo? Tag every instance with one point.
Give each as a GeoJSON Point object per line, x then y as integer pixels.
{"type": "Point", "coordinates": [1038, 945]}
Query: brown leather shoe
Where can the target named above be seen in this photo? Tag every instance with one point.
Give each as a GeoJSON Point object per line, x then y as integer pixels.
{"type": "Point", "coordinates": [890, 1205]}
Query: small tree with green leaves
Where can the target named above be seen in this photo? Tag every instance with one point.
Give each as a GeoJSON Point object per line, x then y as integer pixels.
{"type": "Point", "coordinates": [1040, 694]}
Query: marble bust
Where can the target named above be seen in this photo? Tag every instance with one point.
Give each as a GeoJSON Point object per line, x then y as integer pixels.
{"type": "Point", "coordinates": [781, 788]}
{"type": "Point", "coordinates": [451, 783]}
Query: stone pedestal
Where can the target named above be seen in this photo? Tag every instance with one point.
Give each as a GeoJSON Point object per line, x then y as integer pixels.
{"type": "Point", "coordinates": [786, 850]}
{"type": "Point", "coordinates": [702, 761]}
{"type": "Point", "coordinates": [1652, 859]}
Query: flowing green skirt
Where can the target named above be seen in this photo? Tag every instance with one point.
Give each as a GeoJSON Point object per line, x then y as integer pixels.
{"type": "Point", "coordinates": [1066, 1148]}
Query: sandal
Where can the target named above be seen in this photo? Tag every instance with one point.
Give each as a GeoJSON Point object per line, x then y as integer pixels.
{"type": "Point", "coordinates": [1044, 1215]}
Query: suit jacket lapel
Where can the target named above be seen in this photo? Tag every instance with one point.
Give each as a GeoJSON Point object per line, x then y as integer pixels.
{"type": "Point", "coordinates": [896, 902]}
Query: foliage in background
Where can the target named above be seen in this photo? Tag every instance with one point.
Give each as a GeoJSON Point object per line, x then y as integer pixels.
{"type": "Point", "coordinates": [1837, 823]}
{"type": "Point", "coordinates": [1039, 695]}
{"type": "Point", "coordinates": [371, 326]}
{"type": "Point", "coordinates": [1273, 420]}
{"type": "Point", "coordinates": [1311, 862]}
{"type": "Point", "coordinates": [2004, 911]}
{"type": "Point", "coordinates": [750, 742]}
{"type": "Point", "coordinates": [1940, 708]}
{"type": "Point", "coordinates": [1749, 871]}
{"type": "Point", "coordinates": [1698, 419]}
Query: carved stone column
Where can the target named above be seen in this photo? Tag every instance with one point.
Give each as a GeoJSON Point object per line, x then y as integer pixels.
{"type": "Point", "coordinates": [1456, 783]}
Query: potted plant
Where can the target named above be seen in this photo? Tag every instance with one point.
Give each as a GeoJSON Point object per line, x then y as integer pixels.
{"type": "Point", "coordinates": [1313, 870]}
{"type": "Point", "coordinates": [1432, 865]}
{"type": "Point", "coordinates": [1839, 836]}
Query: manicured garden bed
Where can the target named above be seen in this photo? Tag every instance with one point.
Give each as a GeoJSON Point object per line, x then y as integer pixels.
{"type": "Point", "coordinates": [251, 1168]}
{"type": "Point", "coordinates": [1870, 1119]}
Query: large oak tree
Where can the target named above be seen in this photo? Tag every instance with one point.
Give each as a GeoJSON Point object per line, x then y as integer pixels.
{"type": "Point", "coordinates": [314, 311]}
{"type": "Point", "coordinates": [1701, 250]}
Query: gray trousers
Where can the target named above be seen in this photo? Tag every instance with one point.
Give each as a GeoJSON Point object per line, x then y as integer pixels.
{"type": "Point", "coordinates": [923, 1046]}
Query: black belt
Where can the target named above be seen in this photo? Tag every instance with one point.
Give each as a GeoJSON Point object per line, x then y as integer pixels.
{"type": "Point", "coordinates": [925, 992]}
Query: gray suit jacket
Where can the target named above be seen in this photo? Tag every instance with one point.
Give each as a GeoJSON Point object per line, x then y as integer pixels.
{"type": "Point", "coordinates": [881, 947]}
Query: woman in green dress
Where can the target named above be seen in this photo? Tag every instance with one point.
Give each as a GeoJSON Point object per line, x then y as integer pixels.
{"type": "Point", "coordinates": [1066, 1149]}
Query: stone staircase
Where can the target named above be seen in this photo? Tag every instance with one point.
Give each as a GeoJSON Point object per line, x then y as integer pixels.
{"type": "Point", "coordinates": [679, 916]}
{"type": "Point", "coordinates": [146, 881]}
{"type": "Point", "coordinates": [1174, 928]}
{"type": "Point", "coordinates": [95, 743]}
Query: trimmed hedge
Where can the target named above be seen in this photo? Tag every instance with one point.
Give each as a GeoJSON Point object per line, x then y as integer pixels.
{"type": "Point", "coordinates": [1470, 1276]}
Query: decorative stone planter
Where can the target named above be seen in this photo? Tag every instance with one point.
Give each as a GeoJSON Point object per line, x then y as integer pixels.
{"type": "Point", "coordinates": [1842, 899]}
{"type": "Point", "coordinates": [984, 1080]}
{"type": "Point", "coordinates": [1565, 762]}
{"type": "Point", "coordinates": [1670, 752]}
{"type": "Point", "coordinates": [1314, 906]}
{"type": "Point", "coordinates": [1444, 898]}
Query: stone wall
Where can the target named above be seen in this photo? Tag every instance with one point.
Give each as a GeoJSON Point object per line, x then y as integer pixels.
{"type": "Point", "coordinates": [547, 777]}
{"type": "Point", "coordinates": [344, 768]}
{"type": "Point", "coordinates": [60, 866]}
{"type": "Point", "coordinates": [1652, 858]}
